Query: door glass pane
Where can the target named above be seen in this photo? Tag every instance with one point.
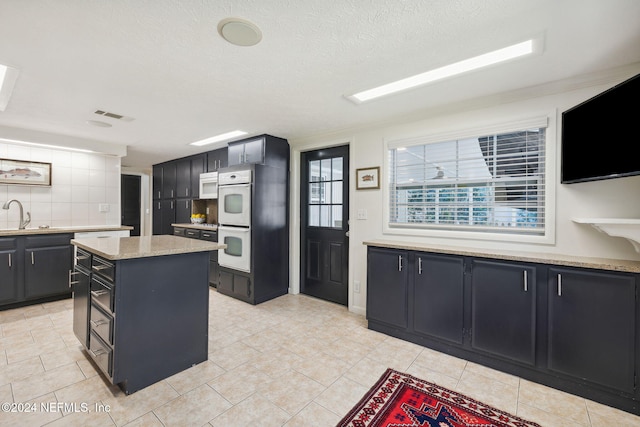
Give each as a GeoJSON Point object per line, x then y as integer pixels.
{"type": "Point", "coordinates": [336, 193]}
{"type": "Point", "coordinates": [325, 171]}
{"type": "Point", "coordinates": [336, 169]}
{"type": "Point", "coordinates": [325, 216]}
{"type": "Point", "coordinates": [314, 215]}
{"type": "Point", "coordinates": [336, 216]}
{"type": "Point", "coordinates": [314, 170]}
{"type": "Point", "coordinates": [233, 203]}
{"type": "Point", "coordinates": [234, 246]}
{"type": "Point", "coordinates": [314, 192]}
{"type": "Point", "coordinates": [326, 192]}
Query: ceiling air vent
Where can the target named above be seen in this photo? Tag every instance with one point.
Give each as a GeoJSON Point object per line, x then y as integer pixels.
{"type": "Point", "coordinates": [113, 115]}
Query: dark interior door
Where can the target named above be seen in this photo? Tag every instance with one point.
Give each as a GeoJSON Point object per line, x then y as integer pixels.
{"type": "Point", "coordinates": [325, 224]}
{"type": "Point", "coordinates": [130, 202]}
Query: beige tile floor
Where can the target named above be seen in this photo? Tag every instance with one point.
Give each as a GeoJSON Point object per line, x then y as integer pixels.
{"type": "Point", "coordinates": [292, 361]}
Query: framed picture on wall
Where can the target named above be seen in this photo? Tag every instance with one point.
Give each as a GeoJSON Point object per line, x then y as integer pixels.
{"type": "Point", "coordinates": [368, 178]}
{"type": "Point", "coordinates": [24, 172]}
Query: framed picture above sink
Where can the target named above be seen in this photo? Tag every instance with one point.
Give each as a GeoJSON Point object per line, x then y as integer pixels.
{"type": "Point", "coordinates": [25, 172]}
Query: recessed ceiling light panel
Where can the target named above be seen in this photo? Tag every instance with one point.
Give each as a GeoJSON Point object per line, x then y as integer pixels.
{"type": "Point", "coordinates": [8, 77]}
{"type": "Point", "coordinates": [239, 32]}
{"type": "Point", "coordinates": [99, 124]}
{"type": "Point", "coordinates": [219, 138]}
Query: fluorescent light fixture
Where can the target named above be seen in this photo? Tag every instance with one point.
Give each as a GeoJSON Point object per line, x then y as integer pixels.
{"type": "Point", "coordinates": [37, 144]}
{"type": "Point", "coordinates": [8, 77]}
{"type": "Point", "coordinates": [491, 58]}
{"type": "Point", "coordinates": [219, 138]}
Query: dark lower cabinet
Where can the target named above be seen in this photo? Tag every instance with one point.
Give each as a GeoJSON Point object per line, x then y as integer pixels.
{"type": "Point", "coordinates": [438, 296]}
{"type": "Point", "coordinates": [8, 271]}
{"type": "Point", "coordinates": [235, 284]}
{"type": "Point", "coordinates": [80, 288]}
{"type": "Point", "coordinates": [572, 328]}
{"type": "Point", "coordinates": [592, 327]}
{"type": "Point", "coordinates": [34, 267]}
{"type": "Point", "coordinates": [387, 287]}
{"type": "Point", "coordinates": [503, 309]}
{"type": "Point", "coordinates": [212, 236]}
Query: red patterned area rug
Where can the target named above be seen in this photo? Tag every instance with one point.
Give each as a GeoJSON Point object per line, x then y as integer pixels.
{"type": "Point", "coordinates": [400, 400]}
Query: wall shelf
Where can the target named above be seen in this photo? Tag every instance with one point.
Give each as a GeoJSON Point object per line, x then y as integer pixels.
{"type": "Point", "coordinates": [617, 227]}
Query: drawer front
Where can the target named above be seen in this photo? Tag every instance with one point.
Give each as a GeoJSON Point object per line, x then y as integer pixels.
{"type": "Point", "coordinates": [103, 267]}
{"type": "Point", "coordinates": [102, 293]}
{"type": "Point", "coordinates": [101, 353]}
{"type": "Point", "coordinates": [83, 258]}
{"type": "Point", "coordinates": [102, 324]}
{"type": "Point", "coordinates": [212, 236]}
{"type": "Point", "coordinates": [193, 234]}
{"type": "Point", "coordinates": [178, 231]}
{"type": "Point", "coordinates": [48, 240]}
{"type": "Point", "coordinates": [8, 242]}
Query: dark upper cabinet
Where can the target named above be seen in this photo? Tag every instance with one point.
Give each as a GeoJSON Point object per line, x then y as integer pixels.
{"type": "Point", "coordinates": [157, 182]}
{"type": "Point", "coordinates": [387, 286]}
{"type": "Point", "coordinates": [198, 166]}
{"type": "Point", "coordinates": [169, 180]}
{"type": "Point", "coordinates": [217, 159]}
{"type": "Point", "coordinates": [183, 178]}
{"type": "Point", "coordinates": [592, 326]}
{"type": "Point", "coordinates": [503, 309]}
{"type": "Point", "coordinates": [266, 149]}
{"type": "Point", "coordinates": [438, 296]}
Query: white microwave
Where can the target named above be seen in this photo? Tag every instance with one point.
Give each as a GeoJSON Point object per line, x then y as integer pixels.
{"type": "Point", "coordinates": [209, 185]}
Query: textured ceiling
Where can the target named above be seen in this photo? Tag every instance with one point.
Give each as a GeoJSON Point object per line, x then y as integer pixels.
{"type": "Point", "coordinates": [163, 63]}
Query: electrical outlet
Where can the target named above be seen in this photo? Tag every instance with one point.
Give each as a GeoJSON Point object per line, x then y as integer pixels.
{"type": "Point", "coordinates": [362, 214]}
{"type": "Point", "coordinates": [356, 286]}
{"type": "Point", "coordinates": [103, 207]}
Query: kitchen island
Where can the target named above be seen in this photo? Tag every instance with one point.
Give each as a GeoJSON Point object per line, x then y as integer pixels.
{"type": "Point", "coordinates": [141, 305]}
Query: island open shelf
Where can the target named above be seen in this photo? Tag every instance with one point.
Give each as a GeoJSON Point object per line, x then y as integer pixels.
{"type": "Point", "coordinates": [141, 305]}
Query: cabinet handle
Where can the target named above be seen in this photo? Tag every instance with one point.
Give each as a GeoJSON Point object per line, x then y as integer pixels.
{"type": "Point", "coordinates": [9, 260]}
{"type": "Point", "coordinates": [33, 261]}
{"type": "Point", "coordinates": [97, 353]}
{"type": "Point", "coordinates": [159, 194]}
{"type": "Point", "coordinates": [171, 193]}
{"type": "Point", "coordinates": [239, 157]}
{"type": "Point", "coordinates": [526, 281]}
{"type": "Point", "coordinates": [98, 293]}
{"type": "Point", "coordinates": [98, 323]}
{"type": "Point", "coordinates": [399, 262]}
{"type": "Point", "coordinates": [559, 284]}
{"type": "Point", "coordinates": [82, 257]}
{"type": "Point", "coordinates": [419, 265]}
{"type": "Point", "coordinates": [172, 204]}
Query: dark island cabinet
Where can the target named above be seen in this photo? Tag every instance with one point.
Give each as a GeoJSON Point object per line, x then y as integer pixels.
{"type": "Point", "coordinates": [438, 296]}
{"type": "Point", "coordinates": [573, 328]}
{"type": "Point", "coordinates": [503, 309]}
{"type": "Point", "coordinates": [387, 287]}
{"type": "Point", "coordinates": [211, 236]}
{"type": "Point", "coordinates": [592, 326]}
{"type": "Point", "coordinates": [8, 270]}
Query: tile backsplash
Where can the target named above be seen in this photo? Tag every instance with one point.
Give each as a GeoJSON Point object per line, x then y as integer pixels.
{"type": "Point", "coordinates": [81, 184]}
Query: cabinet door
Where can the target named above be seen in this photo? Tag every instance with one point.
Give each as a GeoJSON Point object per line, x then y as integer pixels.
{"type": "Point", "coordinates": [80, 288]}
{"type": "Point", "coordinates": [235, 154]}
{"type": "Point", "coordinates": [8, 276]}
{"type": "Point", "coordinates": [157, 217]}
{"type": "Point", "coordinates": [183, 178]}
{"type": "Point", "coordinates": [167, 216]}
{"type": "Point", "coordinates": [183, 211]}
{"type": "Point", "coordinates": [592, 322]}
{"type": "Point", "coordinates": [47, 271]}
{"type": "Point", "coordinates": [169, 176]}
{"type": "Point", "coordinates": [217, 159]}
{"type": "Point", "coordinates": [254, 151]}
{"type": "Point", "coordinates": [503, 309]}
{"type": "Point", "coordinates": [438, 296]}
{"type": "Point", "coordinates": [387, 286]}
{"type": "Point", "coordinates": [157, 182]}
{"type": "Point", "coordinates": [197, 167]}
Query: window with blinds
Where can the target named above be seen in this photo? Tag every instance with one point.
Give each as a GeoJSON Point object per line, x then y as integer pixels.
{"type": "Point", "coordinates": [492, 183]}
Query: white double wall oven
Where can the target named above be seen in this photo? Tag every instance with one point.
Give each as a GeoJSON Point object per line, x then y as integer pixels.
{"type": "Point", "coordinates": [234, 219]}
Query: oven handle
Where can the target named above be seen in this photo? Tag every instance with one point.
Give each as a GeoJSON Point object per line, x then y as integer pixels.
{"type": "Point", "coordinates": [233, 229]}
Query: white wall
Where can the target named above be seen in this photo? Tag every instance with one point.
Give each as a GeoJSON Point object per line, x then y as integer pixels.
{"type": "Point", "coordinates": [80, 183]}
{"type": "Point", "coordinates": [616, 198]}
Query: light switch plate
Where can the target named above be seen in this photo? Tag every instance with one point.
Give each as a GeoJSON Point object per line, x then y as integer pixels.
{"type": "Point", "coordinates": [103, 207]}
{"type": "Point", "coordinates": [362, 214]}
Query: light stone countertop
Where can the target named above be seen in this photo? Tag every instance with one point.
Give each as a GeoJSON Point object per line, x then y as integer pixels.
{"type": "Point", "coordinates": [61, 230]}
{"type": "Point", "coordinates": [115, 248]}
{"type": "Point", "coordinates": [629, 266]}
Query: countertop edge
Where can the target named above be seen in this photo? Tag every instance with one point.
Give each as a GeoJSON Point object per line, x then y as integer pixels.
{"type": "Point", "coordinates": [628, 266]}
{"type": "Point", "coordinates": [197, 226]}
{"type": "Point", "coordinates": [61, 230]}
{"type": "Point", "coordinates": [199, 246]}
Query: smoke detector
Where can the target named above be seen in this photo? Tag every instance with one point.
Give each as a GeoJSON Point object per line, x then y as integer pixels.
{"type": "Point", "coordinates": [239, 32]}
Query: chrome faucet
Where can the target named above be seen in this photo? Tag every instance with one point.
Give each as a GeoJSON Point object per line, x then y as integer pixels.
{"type": "Point", "coordinates": [23, 223]}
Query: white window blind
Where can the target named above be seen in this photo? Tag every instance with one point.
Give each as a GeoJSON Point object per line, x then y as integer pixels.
{"type": "Point", "coordinates": [492, 183]}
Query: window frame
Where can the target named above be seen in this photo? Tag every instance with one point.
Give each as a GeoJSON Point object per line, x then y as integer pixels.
{"type": "Point", "coordinates": [547, 121]}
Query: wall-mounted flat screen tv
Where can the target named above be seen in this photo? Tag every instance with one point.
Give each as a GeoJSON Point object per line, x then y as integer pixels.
{"type": "Point", "coordinates": [601, 136]}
